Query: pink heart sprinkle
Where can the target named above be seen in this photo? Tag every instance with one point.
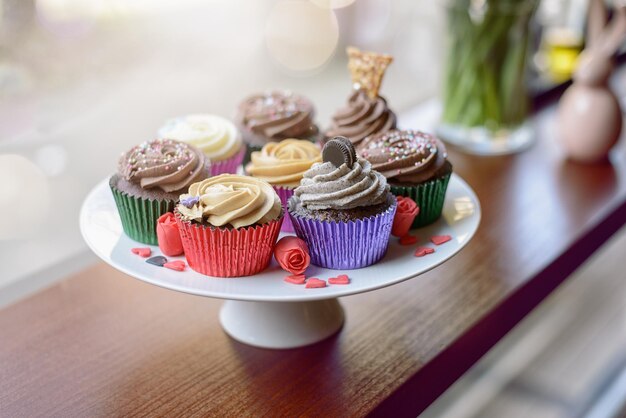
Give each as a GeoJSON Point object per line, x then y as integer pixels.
{"type": "Point", "coordinates": [177, 265]}
{"type": "Point", "coordinates": [341, 279]}
{"type": "Point", "coordinates": [440, 239]}
{"type": "Point", "coordinates": [295, 279]}
{"type": "Point", "coordinates": [422, 251]}
{"type": "Point", "coordinates": [314, 283]}
{"type": "Point", "coordinates": [142, 252]}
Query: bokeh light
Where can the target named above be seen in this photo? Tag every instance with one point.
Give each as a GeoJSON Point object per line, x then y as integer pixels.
{"type": "Point", "coordinates": [52, 159]}
{"type": "Point", "coordinates": [332, 4]}
{"type": "Point", "coordinates": [300, 35]}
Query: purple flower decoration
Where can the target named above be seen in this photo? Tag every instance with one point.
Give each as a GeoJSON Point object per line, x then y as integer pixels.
{"type": "Point", "coordinates": [188, 202]}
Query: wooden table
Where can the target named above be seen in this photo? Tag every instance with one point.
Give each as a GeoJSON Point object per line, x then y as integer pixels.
{"type": "Point", "coordinates": [103, 344]}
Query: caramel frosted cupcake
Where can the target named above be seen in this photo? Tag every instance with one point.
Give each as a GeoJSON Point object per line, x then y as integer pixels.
{"type": "Point", "coordinates": [343, 209]}
{"type": "Point", "coordinates": [415, 165]}
{"type": "Point", "coordinates": [215, 136]}
{"type": "Point", "coordinates": [283, 164]}
{"type": "Point", "coordinates": [273, 116]}
{"type": "Point", "coordinates": [366, 112]}
{"type": "Point", "coordinates": [149, 179]}
{"type": "Point", "coordinates": [229, 225]}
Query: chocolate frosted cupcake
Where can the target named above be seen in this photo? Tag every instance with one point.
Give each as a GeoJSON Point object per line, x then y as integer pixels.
{"type": "Point", "coordinates": [149, 179]}
{"type": "Point", "coordinates": [215, 136]}
{"type": "Point", "coordinates": [229, 225]}
{"type": "Point", "coordinates": [366, 113]}
{"type": "Point", "coordinates": [343, 209]}
{"type": "Point", "coordinates": [362, 117]}
{"type": "Point", "coordinates": [415, 165]}
{"type": "Point", "coordinates": [282, 164]}
{"type": "Point", "coordinates": [274, 116]}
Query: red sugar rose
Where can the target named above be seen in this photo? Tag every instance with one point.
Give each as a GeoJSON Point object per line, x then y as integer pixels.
{"type": "Point", "coordinates": [292, 254]}
{"type": "Point", "coordinates": [405, 215]}
{"type": "Point", "coordinates": [168, 235]}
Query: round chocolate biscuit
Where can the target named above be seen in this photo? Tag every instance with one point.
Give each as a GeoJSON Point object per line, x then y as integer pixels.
{"type": "Point", "coordinates": [339, 150]}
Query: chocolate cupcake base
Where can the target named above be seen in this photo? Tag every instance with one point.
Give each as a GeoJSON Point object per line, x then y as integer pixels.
{"type": "Point", "coordinates": [139, 209]}
{"type": "Point", "coordinates": [429, 196]}
{"type": "Point", "coordinates": [344, 245]}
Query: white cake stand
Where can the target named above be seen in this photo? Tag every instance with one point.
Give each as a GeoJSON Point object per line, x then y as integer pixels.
{"type": "Point", "coordinates": [263, 310]}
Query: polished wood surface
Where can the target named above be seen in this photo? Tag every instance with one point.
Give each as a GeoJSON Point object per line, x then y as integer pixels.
{"type": "Point", "coordinates": [103, 344]}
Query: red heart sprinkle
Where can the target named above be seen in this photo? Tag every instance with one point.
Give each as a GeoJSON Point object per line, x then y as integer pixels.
{"type": "Point", "coordinates": [295, 279]}
{"type": "Point", "coordinates": [177, 265]}
{"type": "Point", "coordinates": [408, 240]}
{"type": "Point", "coordinates": [142, 252]}
{"type": "Point", "coordinates": [422, 251]}
{"type": "Point", "coordinates": [440, 239]}
{"type": "Point", "coordinates": [314, 283]}
{"type": "Point", "coordinates": [341, 279]}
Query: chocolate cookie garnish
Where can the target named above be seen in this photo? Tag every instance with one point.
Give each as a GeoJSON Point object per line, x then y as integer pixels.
{"type": "Point", "coordinates": [158, 260]}
{"type": "Point", "coordinates": [338, 151]}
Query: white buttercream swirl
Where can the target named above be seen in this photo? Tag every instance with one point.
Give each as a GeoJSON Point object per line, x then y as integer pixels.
{"type": "Point", "coordinates": [215, 136]}
{"type": "Point", "coordinates": [325, 186]}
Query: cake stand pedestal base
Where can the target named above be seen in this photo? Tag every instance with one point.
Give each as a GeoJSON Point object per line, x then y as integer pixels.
{"type": "Point", "coordinates": [281, 325]}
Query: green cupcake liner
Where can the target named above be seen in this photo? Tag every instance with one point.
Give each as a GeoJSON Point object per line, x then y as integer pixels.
{"type": "Point", "coordinates": [139, 216]}
{"type": "Point", "coordinates": [429, 197]}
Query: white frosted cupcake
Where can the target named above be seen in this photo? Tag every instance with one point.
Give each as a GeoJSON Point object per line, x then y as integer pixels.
{"type": "Point", "coordinates": [215, 136]}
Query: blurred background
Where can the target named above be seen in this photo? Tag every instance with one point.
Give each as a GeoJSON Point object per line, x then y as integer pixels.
{"type": "Point", "coordinates": [83, 80]}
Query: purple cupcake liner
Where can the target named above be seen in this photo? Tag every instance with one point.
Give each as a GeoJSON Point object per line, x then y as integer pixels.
{"type": "Point", "coordinates": [346, 245]}
{"type": "Point", "coordinates": [229, 165]}
{"type": "Point", "coordinates": [285, 194]}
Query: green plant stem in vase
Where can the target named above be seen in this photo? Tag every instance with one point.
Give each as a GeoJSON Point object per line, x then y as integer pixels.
{"type": "Point", "coordinates": [485, 102]}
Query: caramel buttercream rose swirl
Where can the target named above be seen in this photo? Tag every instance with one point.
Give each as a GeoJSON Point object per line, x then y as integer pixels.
{"type": "Point", "coordinates": [215, 136]}
{"type": "Point", "coordinates": [404, 156]}
{"type": "Point", "coordinates": [277, 115]}
{"type": "Point", "coordinates": [362, 117]}
{"type": "Point", "coordinates": [230, 199]}
{"type": "Point", "coordinates": [165, 164]}
{"type": "Point", "coordinates": [284, 163]}
{"type": "Point", "coordinates": [325, 186]}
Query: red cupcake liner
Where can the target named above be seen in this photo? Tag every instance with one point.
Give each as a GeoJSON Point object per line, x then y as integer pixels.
{"type": "Point", "coordinates": [223, 252]}
{"type": "Point", "coordinates": [284, 194]}
{"type": "Point", "coordinates": [229, 165]}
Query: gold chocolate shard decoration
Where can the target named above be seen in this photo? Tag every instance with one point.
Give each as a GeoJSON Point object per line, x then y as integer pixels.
{"type": "Point", "coordinates": [367, 69]}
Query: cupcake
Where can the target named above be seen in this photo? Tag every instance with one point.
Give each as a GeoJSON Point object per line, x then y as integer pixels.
{"type": "Point", "coordinates": [274, 116]}
{"type": "Point", "coordinates": [415, 165]}
{"type": "Point", "coordinates": [149, 179]}
{"type": "Point", "coordinates": [282, 164]}
{"type": "Point", "coordinates": [343, 209]}
{"type": "Point", "coordinates": [229, 225]}
{"type": "Point", "coordinates": [215, 136]}
{"type": "Point", "coordinates": [366, 113]}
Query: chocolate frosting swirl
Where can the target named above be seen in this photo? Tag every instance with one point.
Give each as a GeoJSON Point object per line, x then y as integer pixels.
{"type": "Point", "coordinates": [362, 117]}
{"type": "Point", "coordinates": [325, 186]}
{"type": "Point", "coordinates": [276, 115]}
{"type": "Point", "coordinates": [405, 156]}
{"type": "Point", "coordinates": [165, 164]}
